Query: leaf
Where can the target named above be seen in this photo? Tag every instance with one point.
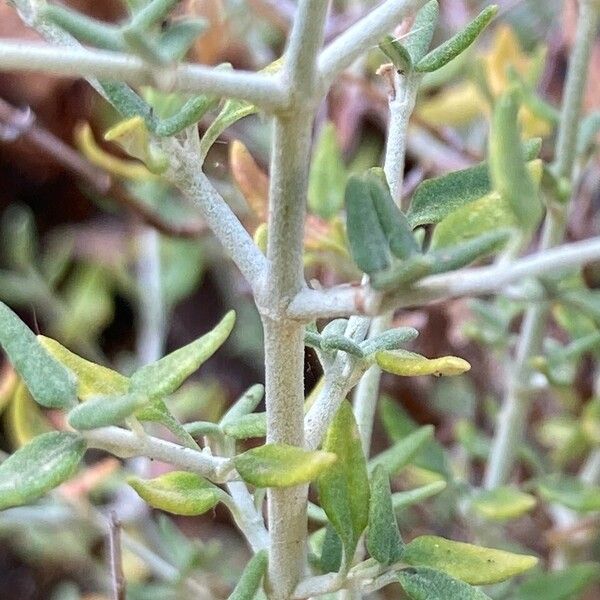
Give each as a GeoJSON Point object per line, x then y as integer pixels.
{"type": "Point", "coordinates": [419, 38]}
{"type": "Point", "coordinates": [92, 379]}
{"type": "Point", "coordinates": [401, 500]}
{"type": "Point", "coordinates": [344, 488]}
{"type": "Point", "coordinates": [280, 465]}
{"type": "Point", "coordinates": [474, 219]}
{"type": "Point", "coordinates": [176, 41]}
{"type": "Point", "coordinates": [157, 412]}
{"type": "Point", "coordinates": [435, 199]}
{"type": "Point", "coordinates": [409, 364]}
{"type": "Point", "coordinates": [331, 551]}
{"type": "Point", "coordinates": [246, 404]}
{"type": "Point", "coordinates": [38, 467]}
{"type": "Point", "coordinates": [331, 343]}
{"type": "Point", "coordinates": [101, 411]}
{"type": "Point", "coordinates": [508, 169]}
{"type": "Point", "coordinates": [163, 377]}
{"type": "Point", "coordinates": [567, 584]}
{"type": "Point", "coordinates": [570, 492]}
{"type": "Point", "coordinates": [252, 181]}
{"type": "Point", "coordinates": [397, 231]}
{"type": "Point", "coordinates": [403, 451]}
{"type": "Point", "coordinates": [250, 580]}
{"type": "Point", "coordinates": [178, 492]}
{"type": "Point", "coordinates": [24, 418]}
{"type": "Point", "coordinates": [503, 503]}
{"type": "Point", "coordinates": [423, 583]}
{"type": "Point", "coordinates": [368, 243]}
{"type": "Point", "coordinates": [327, 176]}
{"type": "Point", "coordinates": [245, 427]}
{"type": "Point", "coordinates": [458, 43]}
{"type": "Point", "coordinates": [49, 382]}
{"type": "Point", "coordinates": [389, 340]}
{"type": "Point", "coordinates": [383, 538]}
{"type": "Point", "coordinates": [472, 564]}
{"type": "Point", "coordinates": [397, 53]}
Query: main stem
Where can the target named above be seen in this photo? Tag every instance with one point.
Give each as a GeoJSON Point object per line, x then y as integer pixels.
{"type": "Point", "coordinates": [513, 417]}
{"type": "Point", "coordinates": [284, 337]}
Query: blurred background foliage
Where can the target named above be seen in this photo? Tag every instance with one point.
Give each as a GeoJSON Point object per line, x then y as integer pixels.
{"type": "Point", "coordinates": [84, 236]}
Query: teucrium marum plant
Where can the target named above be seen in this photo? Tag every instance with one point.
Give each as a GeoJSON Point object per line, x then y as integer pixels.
{"type": "Point", "coordinates": [484, 211]}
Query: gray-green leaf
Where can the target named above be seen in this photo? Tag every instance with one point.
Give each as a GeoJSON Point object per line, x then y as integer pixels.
{"type": "Point", "coordinates": [423, 583]}
{"type": "Point", "coordinates": [251, 578]}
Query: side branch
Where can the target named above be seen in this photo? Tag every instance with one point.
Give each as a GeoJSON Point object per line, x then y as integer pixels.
{"type": "Point", "coordinates": [361, 36]}
{"type": "Point", "coordinates": [343, 301]}
{"type": "Point", "coordinates": [265, 91]}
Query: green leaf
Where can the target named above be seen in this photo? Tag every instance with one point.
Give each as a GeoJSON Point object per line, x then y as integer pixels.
{"type": "Point", "coordinates": [166, 375]}
{"type": "Point", "coordinates": [49, 382]}
{"type": "Point", "coordinates": [18, 235]}
{"type": "Point", "coordinates": [92, 379]}
{"type": "Point", "coordinates": [189, 114]}
{"type": "Point", "coordinates": [327, 177]}
{"type": "Point", "coordinates": [368, 243]}
{"type": "Point", "coordinates": [280, 465]}
{"type": "Point", "coordinates": [344, 488]}
{"type": "Point", "coordinates": [251, 578]}
{"type": "Point", "coordinates": [419, 38]}
{"type": "Point", "coordinates": [157, 412]}
{"type": "Point", "coordinates": [472, 564]}
{"type": "Point", "coordinates": [423, 583]}
{"type": "Point", "coordinates": [245, 427]}
{"type": "Point", "coordinates": [474, 219]}
{"type": "Point", "coordinates": [458, 43]}
{"type": "Point", "coordinates": [383, 538]}
{"type": "Point", "coordinates": [178, 492]}
{"type": "Point", "coordinates": [331, 551]}
{"type": "Point", "coordinates": [401, 500]}
{"type": "Point", "coordinates": [393, 223]}
{"type": "Point", "coordinates": [245, 405]}
{"type": "Point", "coordinates": [503, 503]}
{"type": "Point", "coordinates": [508, 168]}
{"type": "Point", "coordinates": [436, 198]}
{"type": "Point", "coordinates": [570, 492]}
{"type": "Point", "coordinates": [179, 38]}
{"type": "Point", "coordinates": [391, 339]}
{"type": "Point", "coordinates": [409, 364]}
{"type": "Point", "coordinates": [38, 467]}
{"type": "Point", "coordinates": [567, 584]}
{"type": "Point", "coordinates": [397, 53]}
{"type": "Point", "coordinates": [101, 411]}
{"type": "Point", "coordinates": [341, 342]}
{"type": "Point", "coordinates": [403, 451]}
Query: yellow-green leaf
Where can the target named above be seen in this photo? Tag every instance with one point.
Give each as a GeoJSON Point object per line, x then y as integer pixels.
{"type": "Point", "coordinates": [409, 364]}
{"type": "Point", "coordinates": [24, 418]}
{"type": "Point", "coordinates": [281, 465]}
{"type": "Point", "coordinates": [178, 492]}
{"type": "Point", "coordinates": [503, 503]}
{"type": "Point", "coordinates": [92, 379]}
{"type": "Point", "coordinates": [472, 564]}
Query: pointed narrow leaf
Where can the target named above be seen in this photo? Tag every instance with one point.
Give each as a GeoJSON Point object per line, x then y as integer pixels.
{"type": "Point", "coordinates": [92, 379]}
{"type": "Point", "coordinates": [397, 231]}
{"type": "Point", "coordinates": [383, 538]}
{"type": "Point", "coordinates": [408, 271]}
{"type": "Point", "coordinates": [368, 243]}
{"type": "Point", "coordinates": [458, 43]}
{"type": "Point", "coordinates": [401, 500]}
{"type": "Point", "coordinates": [423, 583]}
{"type": "Point", "coordinates": [402, 452]}
{"type": "Point", "coordinates": [391, 339]}
{"type": "Point", "coordinates": [436, 198]}
{"type": "Point", "coordinates": [180, 37]}
{"type": "Point", "coordinates": [50, 383]}
{"type": "Point", "coordinates": [189, 114]}
{"type": "Point", "coordinates": [409, 364]}
{"type": "Point", "coordinates": [166, 375]}
{"type": "Point", "coordinates": [397, 53]}
{"type": "Point", "coordinates": [245, 427]}
{"type": "Point", "coordinates": [245, 405]}
{"type": "Point", "coordinates": [508, 169]}
{"type": "Point", "coordinates": [327, 177]}
{"type": "Point", "coordinates": [156, 411]}
{"type": "Point", "coordinates": [341, 342]}
{"type": "Point", "coordinates": [38, 467]}
{"type": "Point", "coordinates": [473, 564]}
{"type": "Point", "coordinates": [344, 488]}
{"type": "Point", "coordinates": [251, 578]}
{"type": "Point", "coordinates": [419, 38]}
{"type": "Point", "coordinates": [280, 465]}
{"type": "Point", "coordinates": [178, 492]}
{"type": "Point", "coordinates": [101, 411]}
{"type": "Point", "coordinates": [503, 503]}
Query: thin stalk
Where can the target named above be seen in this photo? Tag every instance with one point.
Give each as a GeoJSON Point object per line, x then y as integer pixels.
{"type": "Point", "coordinates": [401, 104]}
{"type": "Point", "coordinates": [513, 416]}
{"type": "Point", "coordinates": [284, 338]}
